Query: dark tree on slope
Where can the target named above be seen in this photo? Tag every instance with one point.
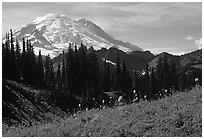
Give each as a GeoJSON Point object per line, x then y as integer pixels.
{"type": "Point", "coordinates": [23, 62]}
{"type": "Point", "coordinates": [124, 79]}
{"type": "Point", "coordinates": [145, 83]}
{"type": "Point", "coordinates": [40, 72]}
{"type": "Point", "coordinates": [136, 83]}
{"type": "Point", "coordinates": [6, 58]}
{"type": "Point", "coordinates": [117, 85]}
{"type": "Point", "coordinates": [58, 94]}
{"type": "Point", "coordinates": [49, 73]}
{"type": "Point", "coordinates": [159, 74]}
{"type": "Point", "coordinates": [129, 84]}
{"type": "Point", "coordinates": [70, 70]}
{"type": "Point", "coordinates": [77, 78]}
{"type": "Point", "coordinates": [174, 79]}
{"type": "Point", "coordinates": [93, 77]}
{"type": "Point", "coordinates": [165, 74]}
{"type": "Point", "coordinates": [18, 61]}
{"type": "Point", "coordinates": [83, 70]}
{"type": "Point", "coordinates": [153, 92]}
{"type": "Point", "coordinates": [31, 68]}
{"type": "Point", "coordinates": [12, 74]}
{"type": "Point", "coordinates": [106, 77]}
{"type": "Point", "coordinates": [183, 81]}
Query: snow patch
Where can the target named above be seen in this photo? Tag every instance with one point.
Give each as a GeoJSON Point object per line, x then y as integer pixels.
{"type": "Point", "coordinates": [46, 17]}
{"type": "Point", "coordinates": [27, 35]}
{"type": "Point", "coordinates": [44, 52]}
{"type": "Point", "coordinates": [108, 61]}
{"type": "Point", "coordinates": [124, 49]}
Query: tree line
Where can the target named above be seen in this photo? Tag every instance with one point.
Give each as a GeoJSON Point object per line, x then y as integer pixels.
{"type": "Point", "coordinates": [79, 79]}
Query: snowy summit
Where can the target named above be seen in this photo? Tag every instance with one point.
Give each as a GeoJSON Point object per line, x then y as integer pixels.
{"type": "Point", "coordinates": [52, 34]}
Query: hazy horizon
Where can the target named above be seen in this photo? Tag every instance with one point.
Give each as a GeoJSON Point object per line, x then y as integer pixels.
{"type": "Point", "coordinates": [175, 28]}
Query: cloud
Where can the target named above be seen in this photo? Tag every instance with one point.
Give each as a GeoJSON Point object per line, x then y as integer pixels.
{"type": "Point", "coordinates": [198, 43]}
{"type": "Point", "coordinates": [196, 40]}
{"type": "Point", "coordinates": [118, 16]}
{"type": "Point", "coordinates": [190, 37]}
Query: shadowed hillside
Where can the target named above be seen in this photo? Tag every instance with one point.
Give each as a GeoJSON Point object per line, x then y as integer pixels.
{"type": "Point", "coordinates": [26, 106]}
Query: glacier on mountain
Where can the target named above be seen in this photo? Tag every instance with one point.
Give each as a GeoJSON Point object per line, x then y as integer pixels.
{"type": "Point", "coordinates": [52, 34]}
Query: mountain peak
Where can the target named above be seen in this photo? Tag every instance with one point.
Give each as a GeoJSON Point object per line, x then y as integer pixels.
{"type": "Point", "coordinates": [50, 16]}
{"type": "Point", "coordinates": [53, 32]}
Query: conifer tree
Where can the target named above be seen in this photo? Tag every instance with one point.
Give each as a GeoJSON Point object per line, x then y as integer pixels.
{"type": "Point", "coordinates": [18, 61]}
{"type": "Point", "coordinates": [112, 81]}
{"type": "Point", "coordinates": [93, 77]}
{"type": "Point", "coordinates": [108, 77]}
{"type": "Point", "coordinates": [76, 82]}
{"type": "Point", "coordinates": [136, 83]}
{"type": "Point", "coordinates": [12, 67]}
{"type": "Point", "coordinates": [6, 58]}
{"type": "Point", "coordinates": [165, 73]}
{"type": "Point", "coordinates": [184, 80]}
{"type": "Point", "coordinates": [174, 81]}
{"type": "Point", "coordinates": [51, 75]}
{"type": "Point", "coordinates": [47, 71]}
{"type": "Point", "coordinates": [152, 86]}
{"type": "Point", "coordinates": [40, 73]}
{"type": "Point", "coordinates": [23, 61]}
{"type": "Point", "coordinates": [31, 64]}
{"type": "Point", "coordinates": [159, 74]}
{"type": "Point", "coordinates": [146, 81]}
{"type": "Point", "coordinates": [124, 78]}
{"type": "Point", "coordinates": [70, 70]}
{"type": "Point", "coordinates": [59, 85]}
{"type": "Point", "coordinates": [118, 74]}
{"type": "Point", "coordinates": [83, 70]}
{"type": "Point", "coordinates": [63, 78]}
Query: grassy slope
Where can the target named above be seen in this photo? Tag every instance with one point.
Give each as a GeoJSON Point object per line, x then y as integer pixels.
{"type": "Point", "coordinates": [177, 115]}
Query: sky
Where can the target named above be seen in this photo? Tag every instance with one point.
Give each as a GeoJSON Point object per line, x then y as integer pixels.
{"type": "Point", "coordinates": [174, 27]}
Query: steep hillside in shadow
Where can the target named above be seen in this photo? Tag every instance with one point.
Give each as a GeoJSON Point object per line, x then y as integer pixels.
{"type": "Point", "coordinates": [26, 106]}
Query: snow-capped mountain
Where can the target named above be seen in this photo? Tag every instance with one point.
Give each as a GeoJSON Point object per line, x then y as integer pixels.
{"type": "Point", "coordinates": [52, 34]}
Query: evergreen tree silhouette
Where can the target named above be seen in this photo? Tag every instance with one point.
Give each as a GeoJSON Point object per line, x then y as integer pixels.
{"type": "Point", "coordinates": [76, 82]}
{"type": "Point", "coordinates": [12, 67]}
{"type": "Point", "coordinates": [18, 61]}
{"type": "Point", "coordinates": [124, 78]}
{"type": "Point", "coordinates": [47, 71]}
{"type": "Point", "coordinates": [23, 61]}
{"type": "Point", "coordinates": [83, 71]}
{"type": "Point", "coordinates": [184, 81]}
{"type": "Point", "coordinates": [146, 81]}
{"type": "Point", "coordinates": [70, 69]}
{"type": "Point", "coordinates": [40, 72]}
{"type": "Point", "coordinates": [118, 74]}
{"type": "Point", "coordinates": [152, 86]}
{"type": "Point", "coordinates": [174, 81]}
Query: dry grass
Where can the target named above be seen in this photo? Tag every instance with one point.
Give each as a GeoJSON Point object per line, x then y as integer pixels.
{"type": "Point", "coordinates": [177, 115]}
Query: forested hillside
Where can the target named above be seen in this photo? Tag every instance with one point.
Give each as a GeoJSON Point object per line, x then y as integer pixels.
{"type": "Point", "coordinates": [89, 86]}
{"type": "Point", "coordinates": [81, 80]}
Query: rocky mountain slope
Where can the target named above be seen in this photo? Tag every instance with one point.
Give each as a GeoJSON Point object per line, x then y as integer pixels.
{"type": "Point", "coordinates": [52, 34]}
